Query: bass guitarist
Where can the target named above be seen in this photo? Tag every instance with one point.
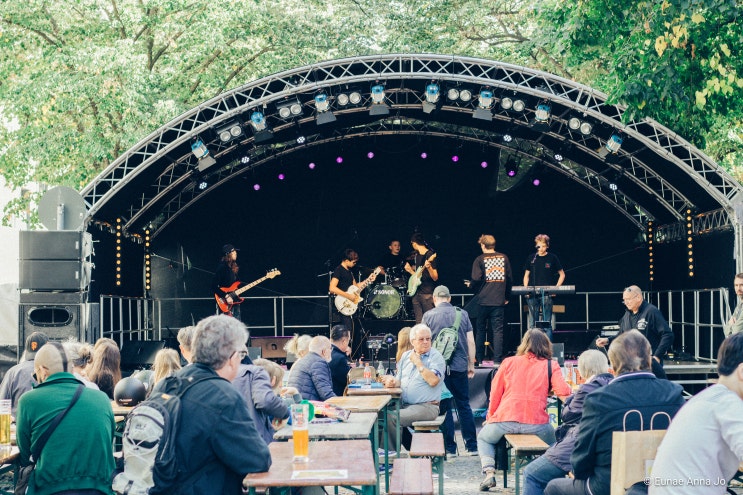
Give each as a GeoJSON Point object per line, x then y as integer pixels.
{"type": "Point", "coordinates": [421, 266]}
{"type": "Point", "coordinates": [341, 281]}
{"type": "Point", "coordinates": [225, 275]}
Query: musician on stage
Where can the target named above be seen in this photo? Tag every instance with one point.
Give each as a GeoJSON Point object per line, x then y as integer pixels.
{"type": "Point", "coordinates": [341, 281]}
{"type": "Point", "coordinates": [224, 276]}
{"type": "Point", "coordinates": [422, 258]}
{"type": "Point", "coordinates": [542, 268]}
{"type": "Point", "coordinates": [393, 261]}
{"type": "Point", "coordinates": [492, 270]}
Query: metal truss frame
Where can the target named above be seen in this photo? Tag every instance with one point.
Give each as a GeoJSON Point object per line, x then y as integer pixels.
{"type": "Point", "coordinates": [163, 149]}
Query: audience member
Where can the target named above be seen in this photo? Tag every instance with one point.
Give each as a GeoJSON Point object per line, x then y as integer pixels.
{"type": "Point", "coordinates": [19, 379]}
{"type": "Point", "coordinates": [299, 345]}
{"type": "Point", "coordinates": [703, 447]}
{"type": "Point", "coordinates": [461, 366]}
{"type": "Point", "coordinates": [217, 438]}
{"type": "Point", "coordinates": [518, 399]}
{"type": "Point", "coordinates": [419, 374]}
{"type": "Point", "coordinates": [403, 344]}
{"type": "Point", "coordinates": [555, 463]}
{"type": "Point", "coordinates": [80, 354]}
{"type": "Point", "coordinates": [260, 389]}
{"type": "Point", "coordinates": [78, 457]}
{"type": "Point", "coordinates": [635, 387]}
{"type": "Point", "coordinates": [311, 374]}
{"type": "Point", "coordinates": [105, 367]}
{"type": "Point", "coordinates": [340, 338]}
{"type": "Point", "coordinates": [167, 362]}
{"type": "Point", "coordinates": [185, 337]}
{"type": "Point", "coordinates": [735, 323]}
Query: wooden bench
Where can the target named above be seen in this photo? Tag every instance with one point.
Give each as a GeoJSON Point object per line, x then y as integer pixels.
{"type": "Point", "coordinates": [430, 445]}
{"type": "Point", "coordinates": [411, 477]}
{"type": "Point", "coordinates": [432, 425]}
{"type": "Point", "coordinates": [525, 448]}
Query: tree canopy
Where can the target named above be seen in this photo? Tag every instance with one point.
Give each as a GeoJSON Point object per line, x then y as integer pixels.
{"type": "Point", "coordinates": [81, 81]}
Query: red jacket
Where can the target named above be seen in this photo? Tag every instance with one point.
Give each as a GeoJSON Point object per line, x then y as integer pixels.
{"type": "Point", "coordinates": [519, 390]}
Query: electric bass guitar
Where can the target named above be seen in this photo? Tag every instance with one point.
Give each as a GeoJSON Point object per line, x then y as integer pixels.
{"type": "Point", "coordinates": [234, 292]}
{"type": "Point", "coordinates": [415, 279]}
{"type": "Point", "coordinates": [347, 307]}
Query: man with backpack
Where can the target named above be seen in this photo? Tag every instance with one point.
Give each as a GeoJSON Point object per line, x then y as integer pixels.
{"type": "Point", "coordinates": [452, 336]}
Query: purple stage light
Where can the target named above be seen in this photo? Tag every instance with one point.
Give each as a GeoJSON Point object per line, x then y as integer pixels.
{"type": "Point", "coordinates": [370, 155]}
{"type": "Point", "coordinates": [256, 187]}
{"type": "Point", "coordinates": [339, 159]}
{"type": "Point", "coordinates": [312, 166]}
{"type": "Point", "coordinates": [281, 176]}
{"type": "Point", "coordinates": [511, 173]}
{"type": "Point", "coordinates": [535, 182]}
{"type": "Point", "coordinates": [484, 164]}
{"type": "Point", "coordinates": [424, 155]}
{"type": "Point", "coordinates": [455, 158]}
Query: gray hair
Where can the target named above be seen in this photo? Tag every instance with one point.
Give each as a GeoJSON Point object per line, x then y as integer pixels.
{"type": "Point", "coordinates": [79, 353]}
{"type": "Point", "coordinates": [318, 343]}
{"type": "Point", "coordinates": [299, 345]}
{"type": "Point", "coordinates": [592, 362]}
{"type": "Point", "coordinates": [216, 339]}
{"type": "Point", "coordinates": [185, 337]}
{"type": "Point", "coordinates": [417, 329]}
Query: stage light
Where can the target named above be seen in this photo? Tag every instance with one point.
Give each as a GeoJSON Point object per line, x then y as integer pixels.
{"type": "Point", "coordinates": [256, 187]}
{"type": "Point", "coordinates": [289, 109]}
{"type": "Point", "coordinates": [281, 176]}
{"type": "Point", "coordinates": [614, 143]}
{"type": "Point", "coordinates": [378, 106]}
{"type": "Point", "coordinates": [245, 160]}
{"type": "Point", "coordinates": [574, 123]}
{"type": "Point", "coordinates": [536, 182]}
{"type": "Point", "coordinates": [613, 186]}
{"type": "Point", "coordinates": [455, 158]}
{"type": "Point", "coordinates": [586, 128]}
{"type": "Point", "coordinates": [484, 164]}
{"type": "Point", "coordinates": [322, 105]}
{"type": "Point", "coordinates": [339, 159]}
{"type": "Point", "coordinates": [203, 185]}
{"type": "Point", "coordinates": [519, 105]}
{"type": "Point", "coordinates": [542, 115]}
{"type": "Point", "coordinates": [424, 155]}
{"type": "Point", "coordinates": [432, 97]}
{"type": "Point", "coordinates": [230, 130]}
{"type": "Point", "coordinates": [312, 166]}
{"type": "Point", "coordinates": [351, 96]}
{"type": "Point", "coordinates": [506, 103]}
{"type": "Point", "coordinates": [301, 139]}
{"type": "Point", "coordinates": [507, 138]}
{"type": "Point", "coordinates": [558, 157]}
{"type": "Point", "coordinates": [370, 155]}
{"type": "Point", "coordinates": [452, 94]}
{"type": "Point", "coordinates": [485, 101]}
{"type": "Point", "coordinates": [199, 149]}
{"type": "Point", "coordinates": [465, 95]}
{"type": "Point", "coordinates": [258, 122]}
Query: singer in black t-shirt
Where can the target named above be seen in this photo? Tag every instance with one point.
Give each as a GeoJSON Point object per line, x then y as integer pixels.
{"type": "Point", "coordinates": [542, 268]}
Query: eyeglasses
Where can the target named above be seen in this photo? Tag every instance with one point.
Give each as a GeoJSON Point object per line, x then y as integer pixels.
{"type": "Point", "coordinates": [424, 339]}
{"type": "Point", "coordinates": [243, 354]}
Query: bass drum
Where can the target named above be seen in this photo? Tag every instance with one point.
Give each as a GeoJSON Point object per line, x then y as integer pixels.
{"type": "Point", "coordinates": [384, 301]}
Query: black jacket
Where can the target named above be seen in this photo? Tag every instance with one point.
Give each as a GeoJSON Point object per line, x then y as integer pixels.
{"type": "Point", "coordinates": [603, 412]}
{"type": "Point", "coordinates": [217, 437]}
{"type": "Point", "coordinates": [339, 370]}
{"type": "Point", "coordinates": [650, 322]}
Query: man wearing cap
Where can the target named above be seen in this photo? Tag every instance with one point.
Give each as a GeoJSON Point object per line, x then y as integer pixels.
{"type": "Point", "coordinates": [19, 379]}
{"type": "Point", "coordinates": [461, 367]}
{"type": "Point", "coordinates": [78, 457]}
{"type": "Point", "coordinates": [224, 276]}
{"type": "Point", "coordinates": [492, 270]}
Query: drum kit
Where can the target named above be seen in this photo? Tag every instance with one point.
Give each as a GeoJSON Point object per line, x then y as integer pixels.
{"type": "Point", "coordinates": [386, 300]}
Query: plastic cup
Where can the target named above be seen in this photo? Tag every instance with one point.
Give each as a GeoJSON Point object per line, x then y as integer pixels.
{"type": "Point", "coordinates": [4, 422]}
{"type": "Point", "coordinates": [300, 432]}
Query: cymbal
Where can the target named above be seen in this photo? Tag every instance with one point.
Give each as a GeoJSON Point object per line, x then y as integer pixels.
{"type": "Point", "coordinates": [364, 270]}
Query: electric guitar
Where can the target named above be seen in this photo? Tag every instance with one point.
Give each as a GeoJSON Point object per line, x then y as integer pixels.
{"type": "Point", "coordinates": [347, 307]}
{"type": "Point", "coordinates": [234, 292]}
{"type": "Point", "coordinates": [415, 279]}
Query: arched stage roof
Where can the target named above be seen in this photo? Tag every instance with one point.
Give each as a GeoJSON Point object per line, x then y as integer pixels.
{"type": "Point", "coordinates": [654, 176]}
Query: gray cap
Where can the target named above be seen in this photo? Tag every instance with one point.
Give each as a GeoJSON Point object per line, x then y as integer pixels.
{"type": "Point", "coordinates": [441, 291]}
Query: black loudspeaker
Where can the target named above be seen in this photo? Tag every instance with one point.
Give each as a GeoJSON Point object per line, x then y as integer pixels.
{"type": "Point", "coordinates": [55, 245]}
{"type": "Point", "coordinates": [558, 352]}
{"type": "Point", "coordinates": [57, 321]}
{"type": "Point", "coordinates": [271, 347]}
{"type": "Point", "coordinates": [54, 275]}
{"type": "Point", "coordinates": [140, 354]}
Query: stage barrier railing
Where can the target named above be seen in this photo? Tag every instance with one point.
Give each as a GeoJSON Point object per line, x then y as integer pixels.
{"type": "Point", "coordinates": [697, 317]}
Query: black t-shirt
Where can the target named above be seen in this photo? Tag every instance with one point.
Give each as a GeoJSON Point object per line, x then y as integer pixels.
{"type": "Point", "coordinates": [344, 276]}
{"type": "Point", "coordinates": [223, 277]}
{"type": "Point", "coordinates": [427, 283]}
{"type": "Point", "coordinates": [390, 260]}
{"type": "Point", "coordinates": [543, 270]}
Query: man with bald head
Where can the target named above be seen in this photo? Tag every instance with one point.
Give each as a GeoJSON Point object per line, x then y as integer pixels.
{"type": "Point", "coordinates": [78, 457]}
{"type": "Point", "coordinates": [643, 316]}
{"type": "Point", "coordinates": [311, 374]}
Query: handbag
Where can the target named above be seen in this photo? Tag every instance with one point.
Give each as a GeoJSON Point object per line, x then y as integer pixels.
{"type": "Point", "coordinates": [25, 472]}
{"type": "Point", "coordinates": [633, 453]}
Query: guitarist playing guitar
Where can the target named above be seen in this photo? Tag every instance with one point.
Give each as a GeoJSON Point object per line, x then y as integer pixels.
{"type": "Point", "coordinates": [341, 281]}
{"type": "Point", "coordinates": [421, 265]}
{"type": "Point", "coordinates": [226, 282]}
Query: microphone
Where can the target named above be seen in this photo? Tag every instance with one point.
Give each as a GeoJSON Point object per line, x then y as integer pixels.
{"type": "Point", "coordinates": [535, 257]}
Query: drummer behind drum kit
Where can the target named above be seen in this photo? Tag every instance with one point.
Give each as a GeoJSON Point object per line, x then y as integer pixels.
{"type": "Point", "coordinates": [387, 300]}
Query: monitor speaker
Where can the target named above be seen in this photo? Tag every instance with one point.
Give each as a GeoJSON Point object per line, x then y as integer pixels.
{"type": "Point", "coordinates": [558, 352]}
{"type": "Point", "coordinates": [140, 354]}
{"type": "Point", "coordinates": [55, 245]}
{"type": "Point", "coordinates": [54, 274]}
{"type": "Point", "coordinates": [271, 347]}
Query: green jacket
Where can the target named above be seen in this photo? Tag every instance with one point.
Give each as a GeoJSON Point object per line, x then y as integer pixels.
{"type": "Point", "coordinates": [79, 454]}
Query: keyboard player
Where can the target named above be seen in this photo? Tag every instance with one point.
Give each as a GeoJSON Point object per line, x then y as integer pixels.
{"type": "Point", "coordinates": [542, 268]}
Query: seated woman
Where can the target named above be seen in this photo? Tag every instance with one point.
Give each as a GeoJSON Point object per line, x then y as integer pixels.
{"type": "Point", "coordinates": [518, 399]}
{"type": "Point", "coordinates": [167, 361]}
{"type": "Point", "coordinates": [105, 367]}
{"type": "Point", "coordinates": [555, 463]}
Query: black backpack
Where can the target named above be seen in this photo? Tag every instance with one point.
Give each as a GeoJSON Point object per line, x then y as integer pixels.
{"type": "Point", "coordinates": [149, 440]}
{"type": "Point", "coordinates": [448, 337]}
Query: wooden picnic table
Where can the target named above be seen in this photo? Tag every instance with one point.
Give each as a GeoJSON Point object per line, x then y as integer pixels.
{"type": "Point", "coordinates": [337, 463]}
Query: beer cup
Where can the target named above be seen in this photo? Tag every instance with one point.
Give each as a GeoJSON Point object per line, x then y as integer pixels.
{"type": "Point", "coordinates": [4, 422]}
{"type": "Point", "coordinates": [300, 432]}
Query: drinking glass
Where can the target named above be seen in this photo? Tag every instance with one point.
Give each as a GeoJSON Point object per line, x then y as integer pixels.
{"type": "Point", "coordinates": [300, 431]}
{"type": "Point", "coordinates": [4, 422]}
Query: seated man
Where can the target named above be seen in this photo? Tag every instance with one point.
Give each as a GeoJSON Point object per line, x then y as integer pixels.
{"type": "Point", "coordinates": [420, 375]}
{"type": "Point", "coordinates": [311, 374]}
{"type": "Point", "coordinates": [702, 449]}
{"type": "Point", "coordinates": [635, 387]}
{"type": "Point", "coordinates": [340, 337]}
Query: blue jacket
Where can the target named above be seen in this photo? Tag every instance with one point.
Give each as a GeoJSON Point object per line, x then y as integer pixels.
{"type": "Point", "coordinates": [311, 376]}
{"type": "Point", "coordinates": [254, 386]}
{"type": "Point", "coordinates": [217, 442]}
